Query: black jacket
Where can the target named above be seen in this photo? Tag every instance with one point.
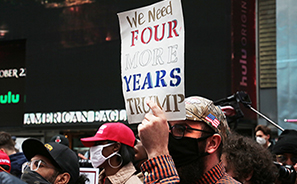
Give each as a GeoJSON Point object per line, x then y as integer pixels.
{"type": "Point", "coordinates": [6, 178]}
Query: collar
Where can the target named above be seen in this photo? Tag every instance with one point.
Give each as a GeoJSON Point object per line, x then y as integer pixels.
{"type": "Point", "coordinates": [122, 175]}
{"type": "Point", "coordinates": [213, 175]}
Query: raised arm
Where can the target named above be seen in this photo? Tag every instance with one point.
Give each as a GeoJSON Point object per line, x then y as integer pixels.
{"type": "Point", "coordinates": [153, 133]}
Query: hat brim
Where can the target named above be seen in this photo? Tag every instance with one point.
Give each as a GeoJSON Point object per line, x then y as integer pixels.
{"type": "Point", "coordinates": [32, 147]}
{"type": "Point", "coordinates": [90, 141]}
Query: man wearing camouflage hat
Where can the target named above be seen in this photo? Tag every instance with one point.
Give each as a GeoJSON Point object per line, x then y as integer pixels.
{"type": "Point", "coordinates": [194, 144]}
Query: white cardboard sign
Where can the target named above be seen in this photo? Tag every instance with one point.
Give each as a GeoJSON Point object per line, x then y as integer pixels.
{"type": "Point", "coordinates": [152, 59]}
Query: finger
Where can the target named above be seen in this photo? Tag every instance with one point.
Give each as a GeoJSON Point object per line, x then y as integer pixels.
{"type": "Point", "coordinates": [156, 110]}
{"type": "Point", "coordinates": [140, 127]}
{"type": "Point", "coordinates": [145, 121]}
{"type": "Point", "coordinates": [148, 116]}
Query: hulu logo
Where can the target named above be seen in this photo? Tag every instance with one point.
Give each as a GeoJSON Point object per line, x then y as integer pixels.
{"type": "Point", "coordinates": [9, 98]}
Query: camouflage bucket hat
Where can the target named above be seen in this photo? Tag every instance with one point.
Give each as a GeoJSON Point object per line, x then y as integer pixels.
{"type": "Point", "coordinates": [202, 109]}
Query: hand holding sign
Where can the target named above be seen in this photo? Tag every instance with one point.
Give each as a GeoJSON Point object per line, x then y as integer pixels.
{"type": "Point", "coordinates": [153, 131]}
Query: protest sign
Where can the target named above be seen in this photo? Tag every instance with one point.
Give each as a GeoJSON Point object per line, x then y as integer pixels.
{"type": "Point", "coordinates": [152, 59]}
{"type": "Point", "coordinates": [91, 173]}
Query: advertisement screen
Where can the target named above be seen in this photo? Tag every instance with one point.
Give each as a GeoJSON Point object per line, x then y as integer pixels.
{"type": "Point", "coordinates": [12, 81]}
{"type": "Point", "coordinates": [72, 58]}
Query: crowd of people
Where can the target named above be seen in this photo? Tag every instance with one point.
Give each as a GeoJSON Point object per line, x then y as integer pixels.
{"type": "Point", "coordinates": [200, 149]}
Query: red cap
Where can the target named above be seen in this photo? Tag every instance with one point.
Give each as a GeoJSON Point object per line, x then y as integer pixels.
{"type": "Point", "coordinates": [4, 161]}
{"type": "Point", "coordinates": [112, 132]}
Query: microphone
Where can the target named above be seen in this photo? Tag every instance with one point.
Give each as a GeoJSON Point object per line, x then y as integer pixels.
{"type": "Point", "coordinates": [244, 98]}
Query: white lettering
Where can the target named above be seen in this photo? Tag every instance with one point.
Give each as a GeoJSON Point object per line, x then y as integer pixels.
{"type": "Point", "coordinates": [75, 117]}
{"type": "Point", "coordinates": [12, 73]}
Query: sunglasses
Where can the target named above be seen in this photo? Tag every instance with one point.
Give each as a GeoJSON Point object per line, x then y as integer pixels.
{"type": "Point", "coordinates": [283, 158]}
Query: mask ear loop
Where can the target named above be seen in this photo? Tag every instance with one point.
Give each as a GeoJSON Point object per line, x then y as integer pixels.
{"type": "Point", "coordinates": [117, 165]}
{"type": "Point", "coordinates": [8, 172]}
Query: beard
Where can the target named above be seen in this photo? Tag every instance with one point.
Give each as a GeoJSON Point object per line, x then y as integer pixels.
{"type": "Point", "coordinates": [52, 178]}
{"type": "Point", "coordinates": [192, 172]}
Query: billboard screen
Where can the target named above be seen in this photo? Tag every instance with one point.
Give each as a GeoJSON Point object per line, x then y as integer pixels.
{"type": "Point", "coordinates": [73, 52]}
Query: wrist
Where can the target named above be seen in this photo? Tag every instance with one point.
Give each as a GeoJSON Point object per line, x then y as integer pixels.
{"type": "Point", "coordinates": [156, 153]}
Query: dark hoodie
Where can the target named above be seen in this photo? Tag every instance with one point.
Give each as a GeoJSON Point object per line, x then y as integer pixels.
{"type": "Point", "coordinates": [17, 161]}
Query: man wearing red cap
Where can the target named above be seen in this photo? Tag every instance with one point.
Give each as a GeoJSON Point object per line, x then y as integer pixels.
{"type": "Point", "coordinates": [112, 148]}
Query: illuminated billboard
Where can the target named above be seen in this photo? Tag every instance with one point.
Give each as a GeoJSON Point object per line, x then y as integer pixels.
{"type": "Point", "coordinates": [12, 81]}
{"type": "Point", "coordinates": [72, 59]}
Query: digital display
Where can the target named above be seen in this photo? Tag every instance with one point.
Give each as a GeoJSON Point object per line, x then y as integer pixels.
{"type": "Point", "coordinates": [72, 58]}
{"type": "Point", "coordinates": [12, 81]}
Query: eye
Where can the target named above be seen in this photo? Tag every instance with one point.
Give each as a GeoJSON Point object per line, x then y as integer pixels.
{"type": "Point", "coordinates": [188, 129]}
{"type": "Point", "coordinates": [36, 163]}
{"type": "Point", "coordinates": [42, 164]}
{"type": "Point", "coordinates": [179, 128]}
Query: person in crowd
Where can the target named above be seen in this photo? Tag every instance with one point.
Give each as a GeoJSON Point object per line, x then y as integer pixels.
{"type": "Point", "coordinates": [112, 149]}
{"type": "Point", "coordinates": [16, 145]}
{"type": "Point", "coordinates": [4, 162]}
{"type": "Point", "coordinates": [140, 157]}
{"type": "Point", "coordinates": [60, 139]}
{"type": "Point", "coordinates": [7, 145]}
{"type": "Point", "coordinates": [5, 166]}
{"type": "Point", "coordinates": [263, 136]}
{"type": "Point", "coordinates": [285, 152]}
{"type": "Point", "coordinates": [247, 161]}
{"type": "Point", "coordinates": [195, 144]}
{"type": "Point", "coordinates": [50, 163]}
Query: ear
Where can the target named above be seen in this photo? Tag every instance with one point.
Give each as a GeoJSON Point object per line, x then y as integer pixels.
{"type": "Point", "coordinates": [63, 178]}
{"type": "Point", "coordinates": [268, 136]}
{"type": "Point", "coordinates": [2, 149]}
{"type": "Point", "coordinates": [116, 147]}
{"type": "Point", "coordinates": [250, 175]}
{"type": "Point", "coordinates": [213, 143]}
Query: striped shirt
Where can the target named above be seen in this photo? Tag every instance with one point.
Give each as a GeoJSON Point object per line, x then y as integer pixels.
{"type": "Point", "coordinates": [217, 175]}
{"type": "Point", "coordinates": [161, 169]}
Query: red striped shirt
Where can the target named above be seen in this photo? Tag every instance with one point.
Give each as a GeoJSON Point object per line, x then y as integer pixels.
{"type": "Point", "coordinates": [161, 169]}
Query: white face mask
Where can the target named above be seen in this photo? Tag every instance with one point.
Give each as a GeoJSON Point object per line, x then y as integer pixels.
{"type": "Point", "coordinates": [97, 157]}
{"type": "Point", "coordinates": [260, 140]}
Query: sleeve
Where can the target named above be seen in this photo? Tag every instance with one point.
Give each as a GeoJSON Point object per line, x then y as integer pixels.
{"type": "Point", "coordinates": [160, 169]}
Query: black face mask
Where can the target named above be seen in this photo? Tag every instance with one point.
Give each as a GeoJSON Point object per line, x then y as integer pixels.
{"type": "Point", "coordinates": [185, 150]}
{"type": "Point", "coordinates": [32, 177]}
